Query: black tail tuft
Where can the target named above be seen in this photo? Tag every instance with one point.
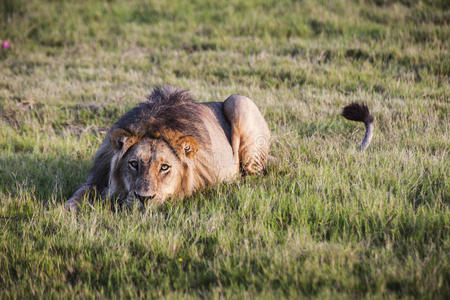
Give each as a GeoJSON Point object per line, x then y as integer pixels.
{"type": "Point", "coordinates": [357, 112]}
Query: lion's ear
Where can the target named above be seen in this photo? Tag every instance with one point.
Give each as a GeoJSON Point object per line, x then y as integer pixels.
{"type": "Point", "coordinates": [121, 139]}
{"type": "Point", "coordinates": [187, 146]}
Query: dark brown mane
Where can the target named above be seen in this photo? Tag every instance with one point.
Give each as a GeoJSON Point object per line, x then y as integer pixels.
{"type": "Point", "coordinates": [166, 109]}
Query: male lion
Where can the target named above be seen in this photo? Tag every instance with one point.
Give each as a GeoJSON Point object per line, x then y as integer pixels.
{"type": "Point", "coordinates": [170, 146]}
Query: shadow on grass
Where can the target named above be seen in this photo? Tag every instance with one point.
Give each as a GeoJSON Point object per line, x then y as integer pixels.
{"type": "Point", "coordinates": [42, 177]}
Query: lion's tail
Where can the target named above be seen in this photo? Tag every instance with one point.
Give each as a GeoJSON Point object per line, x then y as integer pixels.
{"type": "Point", "coordinates": [360, 113]}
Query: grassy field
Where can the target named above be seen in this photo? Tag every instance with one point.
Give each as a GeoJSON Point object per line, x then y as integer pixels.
{"type": "Point", "coordinates": [326, 221]}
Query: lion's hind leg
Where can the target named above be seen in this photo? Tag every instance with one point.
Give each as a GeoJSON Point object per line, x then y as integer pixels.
{"type": "Point", "coordinates": [250, 135]}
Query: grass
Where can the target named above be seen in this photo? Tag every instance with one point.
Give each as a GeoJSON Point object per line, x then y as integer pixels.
{"type": "Point", "coordinates": [325, 222]}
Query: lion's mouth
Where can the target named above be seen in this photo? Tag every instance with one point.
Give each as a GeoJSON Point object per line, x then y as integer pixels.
{"type": "Point", "coordinates": [132, 200]}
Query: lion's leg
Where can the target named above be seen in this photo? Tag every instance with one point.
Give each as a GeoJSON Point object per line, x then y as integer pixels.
{"type": "Point", "coordinates": [250, 135]}
{"type": "Point", "coordinates": [77, 198]}
{"type": "Point", "coordinates": [235, 142]}
{"type": "Point", "coordinates": [97, 181]}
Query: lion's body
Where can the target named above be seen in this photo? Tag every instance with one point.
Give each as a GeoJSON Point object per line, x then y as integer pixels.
{"type": "Point", "coordinates": [200, 144]}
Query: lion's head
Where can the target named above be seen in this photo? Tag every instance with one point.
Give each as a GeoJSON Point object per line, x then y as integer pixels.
{"type": "Point", "coordinates": [160, 148]}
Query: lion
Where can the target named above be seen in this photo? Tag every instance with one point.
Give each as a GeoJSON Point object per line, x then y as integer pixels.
{"type": "Point", "coordinates": [171, 146]}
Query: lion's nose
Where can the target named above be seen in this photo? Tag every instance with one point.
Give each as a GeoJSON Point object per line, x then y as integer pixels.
{"type": "Point", "coordinates": [144, 198]}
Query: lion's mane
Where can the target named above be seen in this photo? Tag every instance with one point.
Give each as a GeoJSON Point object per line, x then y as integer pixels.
{"type": "Point", "coordinates": [169, 114]}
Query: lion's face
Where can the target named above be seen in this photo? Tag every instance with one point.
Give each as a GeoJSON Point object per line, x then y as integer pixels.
{"type": "Point", "coordinates": [149, 169]}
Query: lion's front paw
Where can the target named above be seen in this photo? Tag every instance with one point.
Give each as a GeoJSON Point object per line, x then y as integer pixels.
{"type": "Point", "coordinates": [71, 205]}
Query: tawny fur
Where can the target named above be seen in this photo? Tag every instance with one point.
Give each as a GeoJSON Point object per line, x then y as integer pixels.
{"type": "Point", "coordinates": [204, 143]}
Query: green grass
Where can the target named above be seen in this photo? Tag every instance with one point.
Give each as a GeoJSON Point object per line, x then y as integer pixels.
{"type": "Point", "coordinates": [325, 222]}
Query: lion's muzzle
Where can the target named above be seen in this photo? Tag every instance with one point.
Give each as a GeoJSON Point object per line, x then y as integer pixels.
{"type": "Point", "coordinates": [144, 197]}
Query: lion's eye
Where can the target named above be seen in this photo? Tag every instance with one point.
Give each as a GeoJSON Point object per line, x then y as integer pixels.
{"type": "Point", "coordinates": [164, 167]}
{"type": "Point", "coordinates": [133, 164]}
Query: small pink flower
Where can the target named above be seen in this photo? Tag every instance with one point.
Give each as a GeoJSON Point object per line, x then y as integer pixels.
{"type": "Point", "coordinates": [6, 45]}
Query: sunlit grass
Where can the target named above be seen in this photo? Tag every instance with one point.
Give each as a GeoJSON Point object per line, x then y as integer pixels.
{"type": "Point", "coordinates": [326, 221]}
